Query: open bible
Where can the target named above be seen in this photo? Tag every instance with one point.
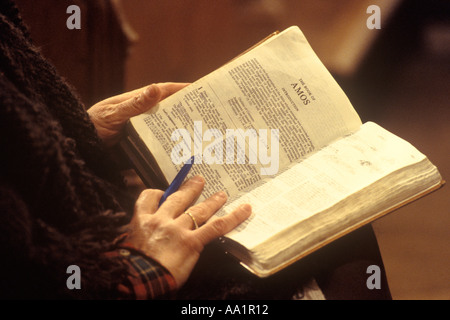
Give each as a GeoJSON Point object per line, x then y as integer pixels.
{"type": "Point", "coordinates": [272, 128]}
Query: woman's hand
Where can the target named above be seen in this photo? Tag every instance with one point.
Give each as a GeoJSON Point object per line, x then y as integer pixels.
{"type": "Point", "coordinates": [110, 115]}
{"type": "Point", "coordinates": [168, 235]}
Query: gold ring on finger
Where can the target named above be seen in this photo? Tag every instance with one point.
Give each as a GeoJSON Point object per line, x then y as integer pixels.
{"type": "Point", "coordinates": [192, 218]}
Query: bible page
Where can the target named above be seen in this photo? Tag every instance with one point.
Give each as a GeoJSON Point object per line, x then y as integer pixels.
{"type": "Point", "coordinates": [277, 99]}
{"type": "Point", "coordinates": [323, 180]}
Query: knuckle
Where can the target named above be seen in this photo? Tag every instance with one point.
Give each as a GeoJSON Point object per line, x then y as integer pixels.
{"type": "Point", "coordinates": [185, 238]}
{"type": "Point", "coordinates": [154, 221]}
{"type": "Point", "coordinates": [148, 194]}
{"type": "Point", "coordinates": [194, 243]}
{"type": "Point", "coordinates": [148, 224]}
{"type": "Point", "coordinates": [132, 106]}
{"type": "Point", "coordinates": [200, 210]}
{"type": "Point", "coordinates": [176, 199]}
{"type": "Point", "coordinates": [136, 102]}
{"type": "Point", "coordinates": [108, 113]}
{"type": "Point", "coordinates": [219, 226]}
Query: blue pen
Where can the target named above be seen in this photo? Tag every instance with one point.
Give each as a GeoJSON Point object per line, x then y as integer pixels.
{"type": "Point", "coordinates": [176, 183]}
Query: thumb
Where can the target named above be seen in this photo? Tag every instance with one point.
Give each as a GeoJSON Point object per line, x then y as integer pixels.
{"type": "Point", "coordinates": [140, 103]}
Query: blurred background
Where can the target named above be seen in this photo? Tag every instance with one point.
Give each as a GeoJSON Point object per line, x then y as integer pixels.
{"type": "Point", "coordinates": [397, 76]}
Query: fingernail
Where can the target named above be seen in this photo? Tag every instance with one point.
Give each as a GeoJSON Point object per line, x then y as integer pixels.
{"type": "Point", "coordinates": [198, 179]}
{"type": "Point", "coordinates": [221, 194]}
{"type": "Point", "coordinates": [246, 207]}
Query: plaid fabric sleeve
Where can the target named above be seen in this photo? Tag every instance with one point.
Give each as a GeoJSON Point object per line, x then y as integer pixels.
{"type": "Point", "coordinates": [146, 279]}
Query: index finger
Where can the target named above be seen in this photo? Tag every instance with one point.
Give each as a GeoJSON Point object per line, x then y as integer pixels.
{"type": "Point", "coordinates": [183, 198]}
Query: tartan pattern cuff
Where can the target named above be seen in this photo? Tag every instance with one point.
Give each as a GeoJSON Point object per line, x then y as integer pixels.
{"type": "Point", "coordinates": [146, 279]}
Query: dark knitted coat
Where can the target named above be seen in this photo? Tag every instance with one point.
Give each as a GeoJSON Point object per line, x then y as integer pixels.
{"type": "Point", "coordinates": [58, 188]}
